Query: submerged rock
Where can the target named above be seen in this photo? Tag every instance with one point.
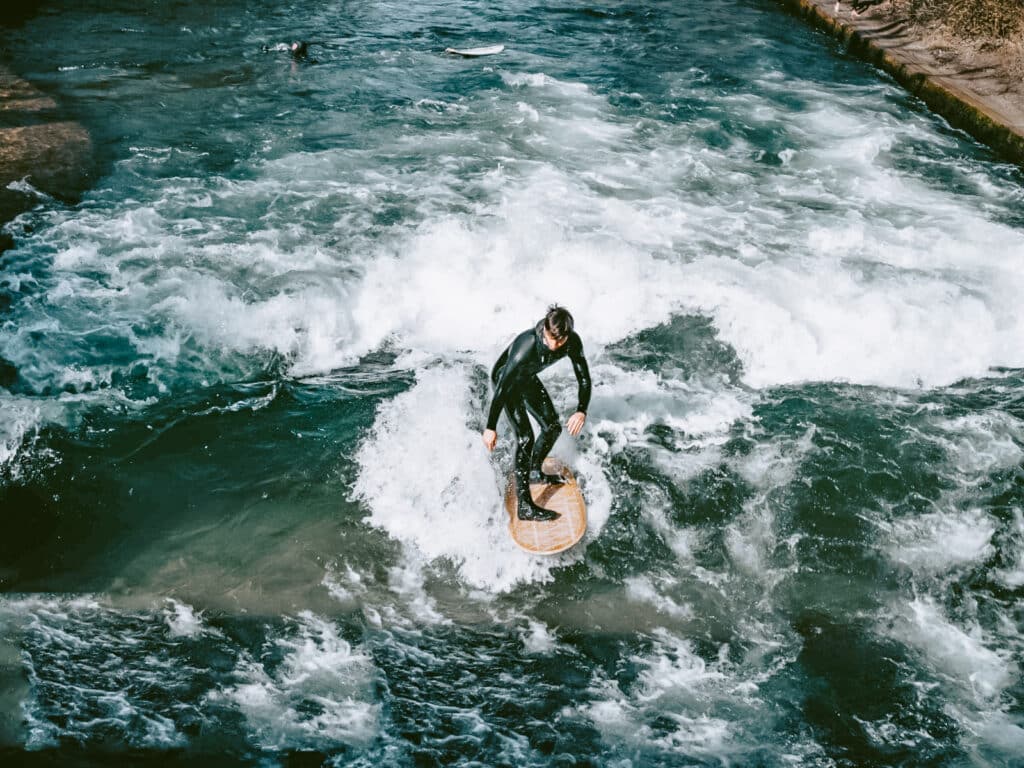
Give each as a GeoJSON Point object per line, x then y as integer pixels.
{"type": "Point", "coordinates": [38, 155]}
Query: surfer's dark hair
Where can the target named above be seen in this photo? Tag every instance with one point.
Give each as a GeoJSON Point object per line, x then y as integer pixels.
{"type": "Point", "coordinates": [558, 321]}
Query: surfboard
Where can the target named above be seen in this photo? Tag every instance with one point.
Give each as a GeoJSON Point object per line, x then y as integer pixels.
{"type": "Point", "coordinates": [487, 50]}
{"type": "Point", "coordinates": [552, 536]}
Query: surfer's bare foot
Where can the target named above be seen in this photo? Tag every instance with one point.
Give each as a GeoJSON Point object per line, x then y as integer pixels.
{"type": "Point", "coordinates": [534, 514]}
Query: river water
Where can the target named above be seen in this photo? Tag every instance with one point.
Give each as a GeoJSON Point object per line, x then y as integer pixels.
{"type": "Point", "coordinates": [248, 517]}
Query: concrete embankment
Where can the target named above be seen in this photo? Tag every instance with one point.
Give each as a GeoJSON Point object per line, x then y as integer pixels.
{"type": "Point", "coordinates": [981, 101]}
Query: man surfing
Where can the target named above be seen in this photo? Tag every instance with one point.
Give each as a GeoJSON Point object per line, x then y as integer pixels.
{"type": "Point", "coordinates": [518, 390]}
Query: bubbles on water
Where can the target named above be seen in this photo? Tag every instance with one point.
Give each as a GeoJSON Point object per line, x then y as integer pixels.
{"type": "Point", "coordinates": [1013, 574]}
{"type": "Point", "coordinates": [938, 542]}
{"type": "Point", "coordinates": [981, 443]}
{"type": "Point", "coordinates": [541, 80]}
{"type": "Point", "coordinates": [183, 620]}
{"type": "Point", "coordinates": [347, 588]}
{"type": "Point", "coordinates": [20, 421]}
{"type": "Point", "coordinates": [977, 669]}
{"type": "Point", "coordinates": [681, 703]}
{"type": "Point", "coordinates": [311, 689]}
{"type": "Point", "coordinates": [642, 589]}
{"type": "Point", "coordinates": [964, 656]}
{"type": "Point", "coordinates": [407, 582]}
{"type": "Point", "coordinates": [100, 676]}
{"type": "Point", "coordinates": [22, 453]}
{"type": "Point", "coordinates": [538, 638]}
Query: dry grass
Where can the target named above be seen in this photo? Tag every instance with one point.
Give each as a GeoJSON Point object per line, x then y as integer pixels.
{"type": "Point", "coordinates": [980, 42]}
{"type": "Point", "coordinates": [978, 20]}
{"type": "Point", "coordinates": [977, 33]}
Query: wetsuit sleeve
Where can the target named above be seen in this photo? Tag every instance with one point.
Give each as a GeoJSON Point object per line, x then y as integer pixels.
{"type": "Point", "coordinates": [514, 357]}
{"type": "Point", "coordinates": [582, 371]}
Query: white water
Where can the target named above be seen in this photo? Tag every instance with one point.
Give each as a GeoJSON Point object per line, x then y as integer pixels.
{"type": "Point", "coordinates": [89, 672]}
{"type": "Point", "coordinates": [428, 481]}
{"type": "Point", "coordinates": [319, 668]}
{"type": "Point", "coordinates": [903, 284]}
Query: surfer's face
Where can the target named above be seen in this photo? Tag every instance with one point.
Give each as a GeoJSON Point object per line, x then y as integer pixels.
{"type": "Point", "coordinates": [551, 342]}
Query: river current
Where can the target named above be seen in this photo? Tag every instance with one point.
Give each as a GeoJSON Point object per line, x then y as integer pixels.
{"type": "Point", "coordinates": [248, 518]}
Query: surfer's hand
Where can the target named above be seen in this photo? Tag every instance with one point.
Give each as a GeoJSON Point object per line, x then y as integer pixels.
{"type": "Point", "coordinates": [575, 423]}
{"type": "Point", "coordinates": [490, 439]}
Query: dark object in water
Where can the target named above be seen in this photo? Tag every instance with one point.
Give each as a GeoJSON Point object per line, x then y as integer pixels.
{"type": "Point", "coordinates": [8, 373]}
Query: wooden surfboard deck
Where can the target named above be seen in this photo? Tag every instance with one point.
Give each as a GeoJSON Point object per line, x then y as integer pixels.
{"type": "Point", "coordinates": [552, 536]}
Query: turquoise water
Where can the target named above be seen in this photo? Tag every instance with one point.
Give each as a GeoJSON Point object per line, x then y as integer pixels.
{"type": "Point", "coordinates": [248, 518]}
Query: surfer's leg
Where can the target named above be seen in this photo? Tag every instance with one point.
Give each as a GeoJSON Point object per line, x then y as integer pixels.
{"type": "Point", "coordinates": [539, 404]}
{"type": "Point", "coordinates": [527, 509]}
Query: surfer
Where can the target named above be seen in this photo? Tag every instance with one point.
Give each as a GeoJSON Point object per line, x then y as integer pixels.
{"type": "Point", "coordinates": [518, 390]}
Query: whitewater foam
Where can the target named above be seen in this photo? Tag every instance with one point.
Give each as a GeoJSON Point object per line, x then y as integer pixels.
{"type": "Point", "coordinates": [446, 499]}
{"type": "Point", "coordinates": [937, 542]}
{"type": "Point", "coordinates": [93, 672]}
{"type": "Point", "coordinates": [319, 696]}
{"type": "Point", "coordinates": [851, 297]}
{"type": "Point", "coordinates": [977, 667]}
{"type": "Point", "coordinates": [183, 620]}
{"type": "Point", "coordinates": [537, 638]}
{"type": "Point", "coordinates": [642, 589]}
{"type": "Point", "coordinates": [981, 443]}
{"type": "Point", "coordinates": [962, 655]}
{"type": "Point", "coordinates": [1013, 575]}
{"type": "Point", "coordinates": [674, 686]}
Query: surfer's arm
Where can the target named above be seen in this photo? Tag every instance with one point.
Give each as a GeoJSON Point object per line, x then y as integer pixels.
{"type": "Point", "coordinates": [501, 388]}
{"type": "Point", "coordinates": [582, 371]}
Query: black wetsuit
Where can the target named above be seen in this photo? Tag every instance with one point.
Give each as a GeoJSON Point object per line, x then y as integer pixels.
{"type": "Point", "coordinates": [519, 391]}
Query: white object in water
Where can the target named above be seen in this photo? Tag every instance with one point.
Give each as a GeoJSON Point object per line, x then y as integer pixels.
{"type": "Point", "coordinates": [488, 50]}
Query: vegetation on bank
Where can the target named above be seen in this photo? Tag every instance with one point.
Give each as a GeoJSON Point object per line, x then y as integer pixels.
{"type": "Point", "coordinates": [997, 20]}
